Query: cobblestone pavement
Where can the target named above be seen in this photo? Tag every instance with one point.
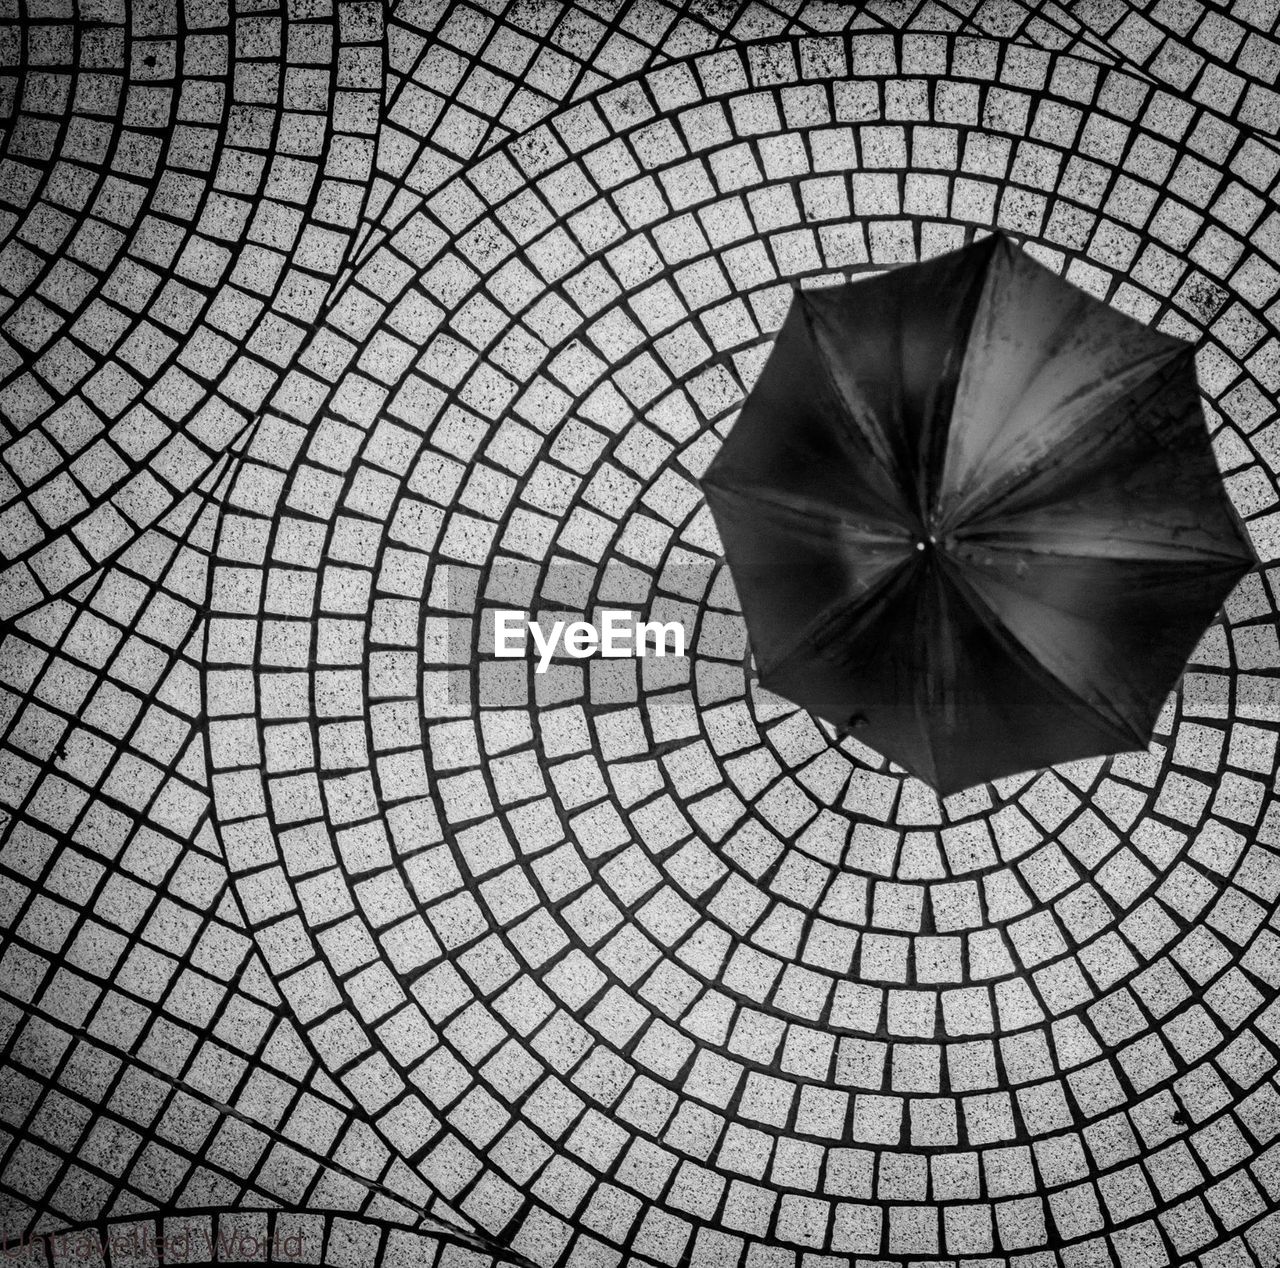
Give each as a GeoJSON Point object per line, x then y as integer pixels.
{"type": "Point", "coordinates": [328, 329]}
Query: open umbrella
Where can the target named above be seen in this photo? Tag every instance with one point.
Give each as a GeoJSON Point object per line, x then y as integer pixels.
{"type": "Point", "coordinates": [973, 512]}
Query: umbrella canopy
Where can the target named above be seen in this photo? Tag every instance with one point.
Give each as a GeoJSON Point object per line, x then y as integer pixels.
{"type": "Point", "coordinates": [973, 512]}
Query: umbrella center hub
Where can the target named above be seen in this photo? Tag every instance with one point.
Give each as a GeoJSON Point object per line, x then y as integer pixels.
{"type": "Point", "coordinates": [927, 542]}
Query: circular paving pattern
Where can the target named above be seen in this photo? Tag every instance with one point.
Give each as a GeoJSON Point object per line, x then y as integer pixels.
{"type": "Point", "coordinates": [653, 962]}
{"type": "Point", "coordinates": [313, 902]}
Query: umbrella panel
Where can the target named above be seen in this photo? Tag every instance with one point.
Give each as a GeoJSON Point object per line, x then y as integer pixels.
{"type": "Point", "coordinates": [1135, 479]}
{"type": "Point", "coordinates": [795, 567]}
{"type": "Point", "coordinates": [1116, 633]}
{"type": "Point", "coordinates": [931, 682]}
{"type": "Point", "coordinates": [889, 346]}
{"type": "Point", "coordinates": [1041, 359]}
{"type": "Point", "coordinates": [796, 437]}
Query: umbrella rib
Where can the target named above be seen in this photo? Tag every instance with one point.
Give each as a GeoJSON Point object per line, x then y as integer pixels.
{"type": "Point", "coordinates": [878, 444]}
{"type": "Point", "coordinates": [1174, 554]}
{"type": "Point", "coordinates": [1157, 361]}
{"type": "Point", "coordinates": [779, 500]}
{"type": "Point", "coordinates": [841, 612]}
{"type": "Point", "coordinates": [987, 502]}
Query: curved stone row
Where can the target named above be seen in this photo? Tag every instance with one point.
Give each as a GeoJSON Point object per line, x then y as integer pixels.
{"type": "Point", "coordinates": [157, 306]}
{"type": "Point", "coordinates": [251, 1234]}
{"type": "Point", "coordinates": [349, 725]}
{"type": "Point", "coordinates": [150, 1058]}
{"type": "Point", "coordinates": [1226, 61]}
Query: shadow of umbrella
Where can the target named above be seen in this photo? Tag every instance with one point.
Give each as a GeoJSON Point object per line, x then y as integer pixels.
{"type": "Point", "coordinates": [973, 515]}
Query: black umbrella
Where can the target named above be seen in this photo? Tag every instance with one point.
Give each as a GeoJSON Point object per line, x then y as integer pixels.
{"type": "Point", "coordinates": [973, 512]}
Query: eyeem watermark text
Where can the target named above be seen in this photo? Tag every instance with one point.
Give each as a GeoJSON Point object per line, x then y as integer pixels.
{"type": "Point", "coordinates": [193, 1244]}
{"type": "Point", "coordinates": [618, 635]}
